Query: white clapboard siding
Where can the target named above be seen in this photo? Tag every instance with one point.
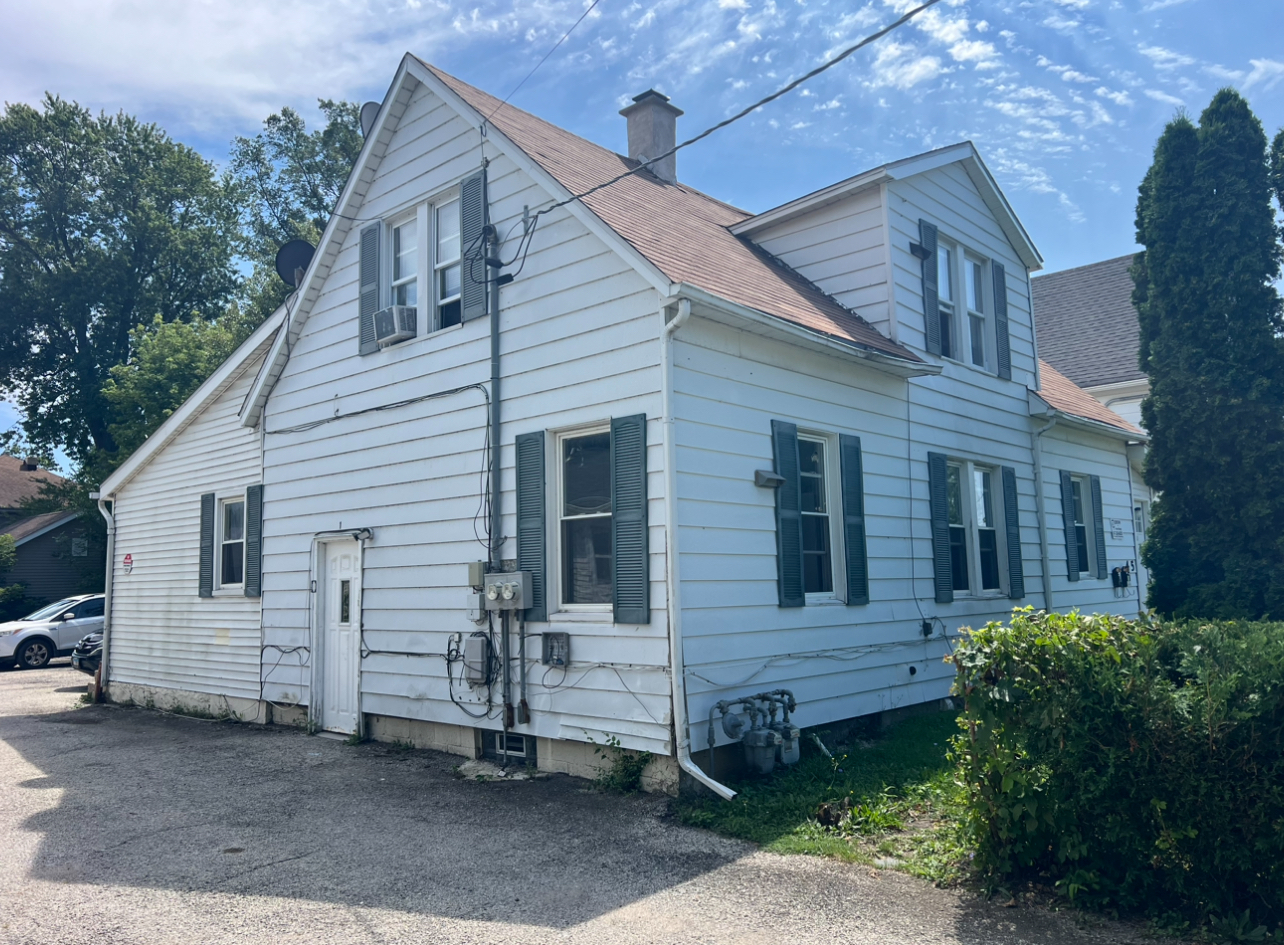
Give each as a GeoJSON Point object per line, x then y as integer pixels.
{"type": "Point", "coordinates": [580, 344]}
{"type": "Point", "coordinates": [1088, 454]}
{"type": "Point", "coordinates": [163, 633]}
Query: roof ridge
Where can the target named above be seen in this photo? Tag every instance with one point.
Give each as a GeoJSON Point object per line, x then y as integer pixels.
{"type": "Point", "coordinates": [1100, 262]}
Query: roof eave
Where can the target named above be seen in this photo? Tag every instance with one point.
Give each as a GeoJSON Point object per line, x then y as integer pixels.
{"type": "Point", "coordinates": [716, 308]}
{"type": "Point", "coordinates": [57, 523]}
{"type": "Point", "coordinates": [1041, 408]}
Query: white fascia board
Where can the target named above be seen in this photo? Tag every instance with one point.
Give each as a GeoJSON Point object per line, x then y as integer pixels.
{"type": "Point", "coordinates": [896, 170]}
{"type": "Point", "coordinates": [191, 408]}
{"type": "Point", "coordinates": [58, 523]}
{"type": "Point", "coordinates": [717, 309]}
{"type": "Point", "coordinates": [532, 168]}
{"type": "Point", "coordinates": [994, 198]}
{"type": "Point", "coordinates": [336, 230]}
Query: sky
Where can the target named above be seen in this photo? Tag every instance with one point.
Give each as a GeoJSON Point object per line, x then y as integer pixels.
{"type": "Point", "coordinates": [1063, 98]}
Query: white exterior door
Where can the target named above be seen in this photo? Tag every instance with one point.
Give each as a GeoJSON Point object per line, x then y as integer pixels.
{"type": "Point", "coordinates": [340, 606]}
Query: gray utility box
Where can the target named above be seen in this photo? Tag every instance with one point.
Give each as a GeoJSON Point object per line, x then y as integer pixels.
{"type": "Point", "coordinates": [477, 659]}
{"type": "Point", "coordinates": [508, 590]}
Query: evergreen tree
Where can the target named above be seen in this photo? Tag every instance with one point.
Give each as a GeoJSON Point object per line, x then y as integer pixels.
{"type": "Point", "coordinates": [1211, 343]}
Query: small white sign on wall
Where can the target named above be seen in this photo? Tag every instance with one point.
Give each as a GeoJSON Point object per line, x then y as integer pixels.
{"type": "Point", "coordinates": [1117, 529]}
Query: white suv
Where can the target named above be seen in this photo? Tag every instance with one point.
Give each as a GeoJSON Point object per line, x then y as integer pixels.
{"type": "Point", "coordinates": [51, 631]}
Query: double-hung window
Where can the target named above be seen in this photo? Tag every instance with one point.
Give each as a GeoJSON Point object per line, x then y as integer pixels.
{"type": "Point", "coordinates": [585, 512]}
{"type": "Point", "coordinates": [817, 527]}
{"type": "Point", "coordinates": [973, 504]}
{"type": "Point", "coordinates": [955, 477]}
{"type": "Point", "coordinates": [1078, 487]}
{"type": "Point", "coordinates": [945, 295]}
{"type": "Point", "coordinates": [231, 539]}
{"type": "Point", "coordinates": [975, 281]}
{"type": "Point", "coordinates": [447, 269]}
{"type": "Point", "coordinates": [405, 263]}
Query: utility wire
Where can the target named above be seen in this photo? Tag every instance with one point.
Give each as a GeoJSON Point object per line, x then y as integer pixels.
{"type": "Point", "coordinates": [565, 36]}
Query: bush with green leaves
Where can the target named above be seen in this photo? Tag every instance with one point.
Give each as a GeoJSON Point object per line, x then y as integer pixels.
{"type": "Point", "coordinates": [1138, 765]}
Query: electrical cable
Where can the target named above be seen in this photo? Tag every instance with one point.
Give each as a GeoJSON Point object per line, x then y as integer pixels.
{"type": "Point", "coordinates": [565, 36]}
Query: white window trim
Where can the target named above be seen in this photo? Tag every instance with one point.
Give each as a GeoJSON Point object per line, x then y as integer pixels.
{"type": "Point", "coordinates": [432, 266]}
{"type": "Point", "coordinates": [220, 589]}
{"type": "Point", "coordinates": [961, 312]}
{"type": "Point", "coordinates": [390, 283]}
{"type": "Point", "coordinates": [558, 438]}
{"type": "Point", "coordinates": [834, 504]}
{"type": "Point", "coordinates": [970, 259]}
{"type": "Point", "coordinates": [950, 305]}
{"type": "Point", "coordinates": [971, 521]}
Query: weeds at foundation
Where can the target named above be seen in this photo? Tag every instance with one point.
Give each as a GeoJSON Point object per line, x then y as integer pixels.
{"type": "Point", "coordinates": [356, 738]}
{"type": "Point", "coordinates": [623, 774]}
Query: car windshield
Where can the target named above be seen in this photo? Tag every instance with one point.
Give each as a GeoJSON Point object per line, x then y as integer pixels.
{"type": "Point", "coordinates": [44, 613]}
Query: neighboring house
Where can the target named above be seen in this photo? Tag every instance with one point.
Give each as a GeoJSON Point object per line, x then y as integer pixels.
{"type": "Point", "coordinates": [48, 544]}
{"type": "Point", "coordinates": [1087, 327]}
{"type": "Point", "coordinates": [735, 452]}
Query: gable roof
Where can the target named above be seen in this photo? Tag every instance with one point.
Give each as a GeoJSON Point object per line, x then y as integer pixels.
{"type": "Point", "coordinates": [1063, 395]}
{"type": "Point", "coordinates": [214, 385]}
{"type": "Point", "coordinates": [17, 485]}
{"type": "Point", "coordinates": [1086, 323]}
{"type": "Point", "coordinates": [25, 529]}
{"type": "Point", "coordinates": [681, 231]}
{"type": "Point", "coordinates": [963, 153]}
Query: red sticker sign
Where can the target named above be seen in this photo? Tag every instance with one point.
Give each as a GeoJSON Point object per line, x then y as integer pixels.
{"type": "Point", "coordinates": [129, 563]}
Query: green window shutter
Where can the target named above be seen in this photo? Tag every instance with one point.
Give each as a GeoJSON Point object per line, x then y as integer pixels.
{"type": "Point", "coordinates": [531, 530]}
{"type": "Point", "coordinates": [1099, 528]}
{"type": "Point", "coordinates": [254, 541]}
{"type": "Point", "coordinates": [854, 520]}
{"type": "Point", "coordinates": [369, 271]}
{"type": "Point", "coordinates": [1002, 343]}
{"type": "Point", "coordinates": [1012, 521]}
{"type": "Point", "coordinates": [1067, 513]}
{"type": "Point", "coordinates": [207, 545]}
{"type": "Point", "coordinates": [931, 290]}
{"type": "Point", "coordinates": [472, 220]}
{"type": "Point", "coordinates": [789, 556]}
{"type": "Point", "coordinates": [942, 564]}
{"type": "Point", "coordinates": [631, 581]}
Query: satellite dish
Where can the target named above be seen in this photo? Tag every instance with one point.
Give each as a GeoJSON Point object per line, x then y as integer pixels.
{"type": "Point", "coordinates": [369, 112]}
{"type": "Point", "coordinates": [292, 261]}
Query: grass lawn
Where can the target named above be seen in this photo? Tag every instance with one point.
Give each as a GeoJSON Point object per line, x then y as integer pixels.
{"type": "Point", "coordinates": [892, 802]}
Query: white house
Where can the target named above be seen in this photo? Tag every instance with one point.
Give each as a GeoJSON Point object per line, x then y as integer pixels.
{"type": "Point", "coordinates": [734, 453]}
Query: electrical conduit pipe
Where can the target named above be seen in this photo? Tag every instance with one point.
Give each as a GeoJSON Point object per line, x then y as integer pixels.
{"type": "Point", "coordinates": [681, 729]}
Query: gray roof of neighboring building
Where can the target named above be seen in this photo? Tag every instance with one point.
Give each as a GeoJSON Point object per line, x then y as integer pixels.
{"type": "Point", "coordinates": [1086, 322]}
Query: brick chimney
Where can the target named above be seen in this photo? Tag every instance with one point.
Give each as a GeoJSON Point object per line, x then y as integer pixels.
{"type": "Point", "coordinates": [653, 129]}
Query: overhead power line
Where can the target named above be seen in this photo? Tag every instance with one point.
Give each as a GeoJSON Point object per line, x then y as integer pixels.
{"type": "Point", "coordinates": [565, 36]}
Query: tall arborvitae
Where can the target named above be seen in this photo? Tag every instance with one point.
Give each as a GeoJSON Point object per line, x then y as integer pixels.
{"type": "Point", "coordinates": [1211, 344]}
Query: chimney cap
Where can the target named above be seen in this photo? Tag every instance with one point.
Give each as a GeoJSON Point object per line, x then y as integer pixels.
{"type": "Point", "coordinates": [651, 97]}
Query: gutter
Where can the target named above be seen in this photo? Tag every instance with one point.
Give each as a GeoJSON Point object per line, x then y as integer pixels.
{"type": "Point", "coordinates": [1036, 450]}
{"type": "Point", "coordinates": [107, 583]}
{"type": "Point", "coordinates": [677, 665]}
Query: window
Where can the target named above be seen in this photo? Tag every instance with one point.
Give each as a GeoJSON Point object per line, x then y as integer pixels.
{"type": "Point", "coordinates": [446, 264]}
{"type": "Point", "coordinates": [90, 608]}
{"type": "Point", "coordinates": [945, 296]}
{"type": "Point", "coordinates": [813, 482]}
{"type": "Point", "coordinates": [585, 513]}
{"type": "Point", "coordinates": [345, 601]}
{"type": "Point", "coordinates": [405, 263]}
{"type": "Point", "coordinates": [975, 549]}
{"type": "Point", "coordinates": [1078, 487]}
{"type": "Point", "coordinates": [232, 543]}
{"type": "Point", "coordinates": [976, 311]}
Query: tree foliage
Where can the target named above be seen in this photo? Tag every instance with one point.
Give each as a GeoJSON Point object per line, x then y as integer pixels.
{"type": "Point", "coordinates": [105, 222]}
{"type": "Point", "coordinates": [288, 182]}
{"type": "Point", "coordinates": [1211, 345]}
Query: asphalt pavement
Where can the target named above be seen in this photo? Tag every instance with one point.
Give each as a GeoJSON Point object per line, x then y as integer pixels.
{"type": "Point", "coordinates": [123, 825]}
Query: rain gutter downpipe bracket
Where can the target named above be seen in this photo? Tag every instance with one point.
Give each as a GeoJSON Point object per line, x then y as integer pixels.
{"type": "Point", "coordinates": [677, 665]}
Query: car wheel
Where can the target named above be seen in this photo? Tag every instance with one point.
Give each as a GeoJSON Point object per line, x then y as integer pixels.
{"type": "Point", "coordinates": [35, 655]}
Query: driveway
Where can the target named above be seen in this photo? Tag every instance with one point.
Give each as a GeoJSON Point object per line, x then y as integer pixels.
{"type": "Point", "coordinates": [121, 825]}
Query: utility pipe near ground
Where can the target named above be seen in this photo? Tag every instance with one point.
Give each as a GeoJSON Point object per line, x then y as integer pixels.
{"type": "Point", "coordinates": [677, 665]}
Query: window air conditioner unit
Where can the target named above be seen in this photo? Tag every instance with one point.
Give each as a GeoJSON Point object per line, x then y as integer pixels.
{"type": "Point", "coordinates": [394, 323]}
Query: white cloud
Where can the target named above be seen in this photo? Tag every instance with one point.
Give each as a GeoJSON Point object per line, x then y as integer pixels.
{"type": "Point", "coordinates": [1062, 24]}
{"type": "Point", "coordinates": [1266, 72]}
{"type": "Point", "coordinates": [1162, 5]}
{"type": "Point", "coordinates": [1226, 75]}
{"type": "Point", "coordinates": [1159, 96]}
{"type": "Point", "coordinates": [975, 50]}
{"type": "Point", "coordinates": [1165, 58]}
{"type": "Point", "coordinates": [733, 5]}
{"type": "Point", "coordinates": [1119, 98]}
{"type": "Point", "coordinates": [1074, 4]}
{"type": "Point", "coordinates": [899, 66]}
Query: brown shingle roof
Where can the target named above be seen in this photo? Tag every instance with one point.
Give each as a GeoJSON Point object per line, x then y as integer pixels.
{"type": "Point", "coordinates": [1086, 322]}
{"type": "Point", "coordinates": [17, 485]}
{"type": "Point", "coordinates": [680, 230]}
{"type": "Point", "coordinates": [1066, 396]}
{"type": "Point", "coordinates": [25, 527]}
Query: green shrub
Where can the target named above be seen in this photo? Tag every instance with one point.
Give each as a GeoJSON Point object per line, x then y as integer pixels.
{"type": "Point", "coordinates": [1138, 765]}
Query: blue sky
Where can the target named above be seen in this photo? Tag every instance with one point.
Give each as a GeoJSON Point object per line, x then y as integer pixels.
{"type": "Point", "coordinates": [1064, 98]}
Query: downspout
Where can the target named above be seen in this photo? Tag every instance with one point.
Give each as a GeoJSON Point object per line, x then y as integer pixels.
{"type": "Point", "coordinates": [677, 665]}
{"type": "Point", "coordinates": [111, 569]}
{"type": "Point", "coordinates": [1036, 448]}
